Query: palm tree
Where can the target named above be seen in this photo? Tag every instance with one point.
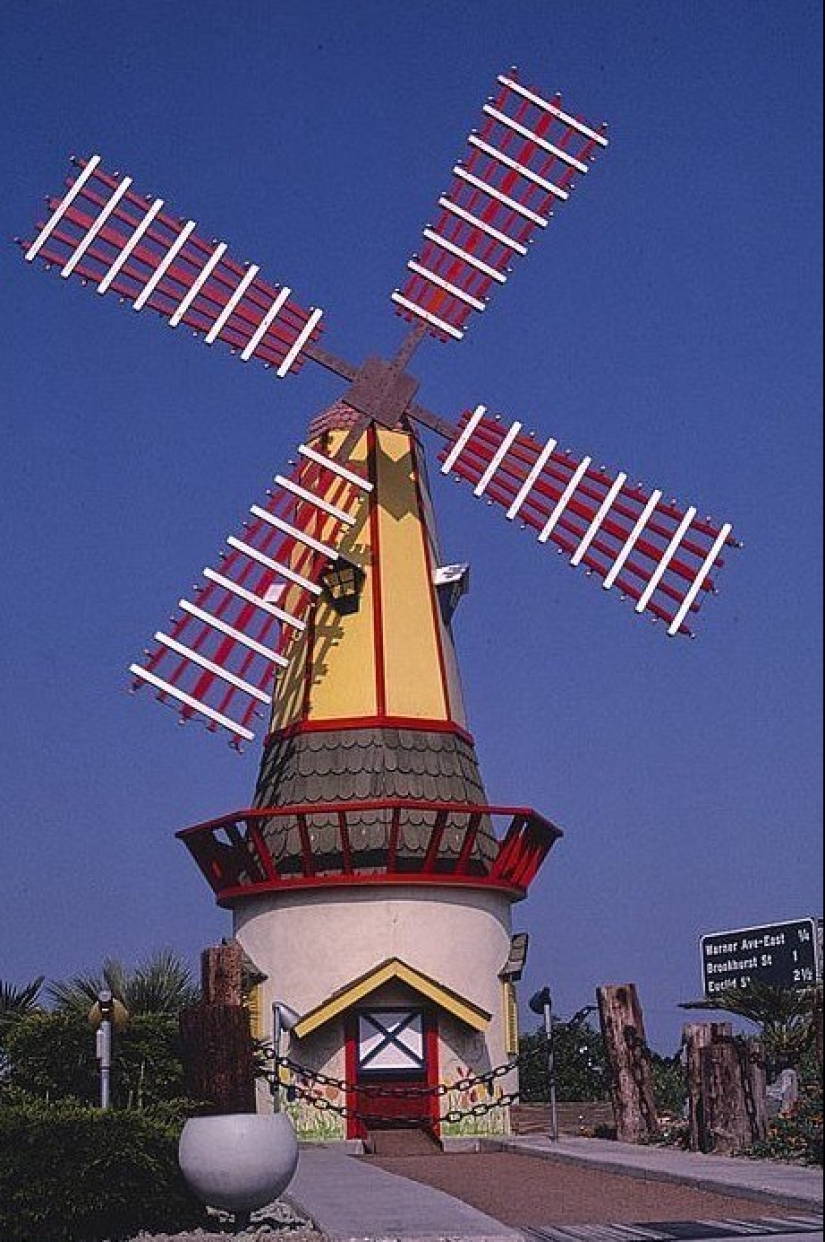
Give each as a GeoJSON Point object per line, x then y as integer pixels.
{"type": "Point", "coordinates": [785, 1017]}
{"type": "Point", "coordinates": [163, 984]}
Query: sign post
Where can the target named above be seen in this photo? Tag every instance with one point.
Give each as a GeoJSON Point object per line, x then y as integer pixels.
{"type": "Point", "coordinates": [782, 955]}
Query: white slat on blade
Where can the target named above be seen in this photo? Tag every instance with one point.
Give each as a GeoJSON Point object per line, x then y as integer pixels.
{"type": "Point", "coordinates": [477, 223]}
{"type": "Point", "coordinates": [632, 539]}
{"type": "Point", "coordinates": [227, 312]}
{"type": "Point", "coordinates": [283, 570]}
{"type": "Point", "coordinates": [303, 337]}
{"type": "Point", "coordinates": [266, 323]}
{"type": "Point", "coordinates": [311, 499]}
{"type": "Point", "coordinates": [231, 632]}
{"type": "Point", "coordinates": [540, 462]}
{"type": "Point", "coordinates": [61, 208]}
{"type": "Point", "coordinates": [293, 533]}
{"type": "Point", "coordinates": [335, 466]}
{"type": "Point", "coordinates": [92, 232]}
{"type": "Point", "coordinates": [159, 273]}
{"type": "Point", "coordinates": [504, 199]}
{"type": "Point", "coordinates": [670, 552]}
{"type": "Point", "coordinates": [594, 526]}
{"type": "Point", "coordinates": [564, 499]}
{"type": "Point", "coordinates": [461, 443]}
{"type": "Point", "coordinates": [696, 587]}
{"type": "Point", "coordinates": [133, 241]}
{"type": "Point", "coordinates": [286, 618]}
{"type": "Point", "coordinates": [498, 457]}
{"type": "Point", "coordinates": [442, 326]}
{"type": "Point", "coordinates": [207, 271]}
{"type": "Point", "coordinates": [196, 658]}
{"type": "Point", "coordinates": [187, 699]}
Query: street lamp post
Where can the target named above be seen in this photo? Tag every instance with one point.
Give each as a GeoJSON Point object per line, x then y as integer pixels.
{"type": "Point", "coordinates": [542, 1003]}
{"type": "Point", "coordinates": [104, 1045]}
{"type": "Point", "coordinates": [284, 1018]}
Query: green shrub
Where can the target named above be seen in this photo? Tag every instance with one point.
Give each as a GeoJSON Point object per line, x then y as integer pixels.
{"type": "Point", "coordinates": [579, 1062]}
{"type": "Point", "coordinates": [74, 1174]}
{"type": "Point", "coordinates": [797, 1138]}
{"type": "Point", "coordinates": [52, 1055]}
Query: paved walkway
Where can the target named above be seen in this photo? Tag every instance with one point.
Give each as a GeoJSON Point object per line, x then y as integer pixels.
{"type": "Point", "coordinates": [351, 1199]}
{"type": "Point", "coordinates": [767, 1181]}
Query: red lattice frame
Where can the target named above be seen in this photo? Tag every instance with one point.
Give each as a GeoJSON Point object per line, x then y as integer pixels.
{"type": "Point", "coordinates": [521, 165]}
{"type": "Point", "coordinates": [258, 642]}
{"type": "Point", "coordinates": [111, 237]}
{"type": "Point", "coordinates": [654, 551]}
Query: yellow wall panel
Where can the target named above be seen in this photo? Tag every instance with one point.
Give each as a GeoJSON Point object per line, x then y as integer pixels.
{"type": "Point", "coordinates": [414, 684]}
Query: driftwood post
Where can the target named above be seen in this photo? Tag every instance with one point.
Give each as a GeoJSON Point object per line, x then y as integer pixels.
{"type": "Point", "coordinates": [631, 1091]}
{"type": "Point", "coordinates": [695, 1037]}
{"type": "Point", "coordinates": [756, 1086]}
{"type": "Point", "coordinates": [732, 1073]}
{"type": "Point", "coordinates": [216, 1042]}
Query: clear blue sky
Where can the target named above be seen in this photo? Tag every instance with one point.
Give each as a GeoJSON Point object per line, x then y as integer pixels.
{"type": "Point", "coordinates": [668, 322]}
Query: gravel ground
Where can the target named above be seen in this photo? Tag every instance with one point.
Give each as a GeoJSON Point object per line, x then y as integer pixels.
{"type": "Point", "coordinates": [523, 1191]}
{"type": "Point", "coordinates": [269, 1224]}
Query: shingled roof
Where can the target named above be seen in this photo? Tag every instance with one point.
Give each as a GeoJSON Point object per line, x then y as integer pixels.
{"type": "Point", "coordinates": [371, 764]}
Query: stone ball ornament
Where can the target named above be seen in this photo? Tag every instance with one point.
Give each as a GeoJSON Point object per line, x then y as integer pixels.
{"type": "Point", "coordinates": [240, 1161]}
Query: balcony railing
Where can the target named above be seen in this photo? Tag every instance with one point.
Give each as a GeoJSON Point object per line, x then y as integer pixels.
{"type": "Point", "coordinates": [242, 854]}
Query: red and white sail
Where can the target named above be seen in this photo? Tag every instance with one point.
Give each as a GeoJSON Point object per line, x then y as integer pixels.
{"type": "Point", "coordinates": [652, 550]}
{"type": "Point", "coordinates": [219, 659]}
{"type": "Point", "coordinates": [516, 170]}
{"type": "Point", "coordinates": [115, 239]}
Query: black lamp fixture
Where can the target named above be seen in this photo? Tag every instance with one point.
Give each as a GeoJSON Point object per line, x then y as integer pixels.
{"type": "Point", "coordinates": [342, 584]}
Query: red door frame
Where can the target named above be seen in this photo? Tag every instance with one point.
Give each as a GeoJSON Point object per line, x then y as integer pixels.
{"type": "Point", "coordinates": [426, 1106]}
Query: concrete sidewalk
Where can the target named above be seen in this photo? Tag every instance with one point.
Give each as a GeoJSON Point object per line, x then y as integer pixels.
{"type": "Point", "coordinates": [765, 1181]}
{"type": "Point", "coordinates": [349, 1198]}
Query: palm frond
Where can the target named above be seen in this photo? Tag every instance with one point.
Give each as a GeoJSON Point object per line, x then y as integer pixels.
{"type": "Point", "coordinates": [16, 1002]}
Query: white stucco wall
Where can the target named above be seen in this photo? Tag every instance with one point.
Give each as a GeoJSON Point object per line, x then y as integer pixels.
{"type": "Point", "coordinates": [312, 943]}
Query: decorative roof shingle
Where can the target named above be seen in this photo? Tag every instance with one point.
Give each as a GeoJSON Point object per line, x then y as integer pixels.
{"type": "Point", "coordinates": [371, 764]}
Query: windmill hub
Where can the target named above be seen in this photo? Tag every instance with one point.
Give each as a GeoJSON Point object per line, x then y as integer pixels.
{"type": "Point", "coordinates": [382, 391]}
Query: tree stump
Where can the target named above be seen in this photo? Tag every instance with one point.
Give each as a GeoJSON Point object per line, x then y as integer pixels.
{"type": "Point", "coordinates": [222, 974]}
{"type": "Point", "coordinates": [216, 1041]}
{"type": "Point", "coordinates": [727, 1092]}
{"type": "Point", "coordinates": [695, 1037]}
{"type": "Point", "coordinates": [631, 1089]}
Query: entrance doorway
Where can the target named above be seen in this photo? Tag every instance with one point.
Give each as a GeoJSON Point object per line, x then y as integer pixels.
{"type": "Point", "coordinates": [392, 1057]}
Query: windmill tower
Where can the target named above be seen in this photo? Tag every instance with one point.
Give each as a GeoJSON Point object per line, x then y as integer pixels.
{"type": "Point", "coordinates": [371, 881]}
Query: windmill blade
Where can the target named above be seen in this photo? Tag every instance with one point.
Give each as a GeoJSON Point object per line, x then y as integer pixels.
{"type": "Point", "coordinates": [517, 168]}
{"type": "Point", "coordinates": [652, 550]}
{"type": "Point", "coordinates": [218, 661]}
{"type": "Point", "coordinates": [115, 239]}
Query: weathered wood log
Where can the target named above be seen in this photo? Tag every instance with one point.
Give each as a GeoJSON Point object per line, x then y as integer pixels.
{"type": "Point", "coordinates": [725, 1090]}
{"type": "Point", "coordinates": [756, 1088]}
{"type": "Point", "coordinates": [222, 974]}
{"type": "Point", "coordinates": [217, 1053]}
{"type": "Point", "coordinates": [631, 1090]}
{"type": "Point", "coordinates": [695, 1037]}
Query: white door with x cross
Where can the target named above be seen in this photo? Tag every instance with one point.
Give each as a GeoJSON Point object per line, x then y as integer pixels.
{"type": "Point", "coordinates": [391, 1041]}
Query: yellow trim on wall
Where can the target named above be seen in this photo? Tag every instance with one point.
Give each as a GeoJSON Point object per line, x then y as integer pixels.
{"type": "Point", "coordinates": [394, 969]}
{"type": "Point", "coordinates": [511, 1029]}
{"type": "Point", "coordinates": [254, 1004]}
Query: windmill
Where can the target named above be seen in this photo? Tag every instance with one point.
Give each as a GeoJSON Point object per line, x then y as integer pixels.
{"type": "Point", "coordinates": [329, 615]}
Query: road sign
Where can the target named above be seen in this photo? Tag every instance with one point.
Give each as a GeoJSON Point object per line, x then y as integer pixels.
{"type": "Point", "coordinates": [785, 955]}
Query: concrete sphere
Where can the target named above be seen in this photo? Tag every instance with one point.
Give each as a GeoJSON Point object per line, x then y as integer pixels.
{"type": "Point", "coordinates": [238, 1162]}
